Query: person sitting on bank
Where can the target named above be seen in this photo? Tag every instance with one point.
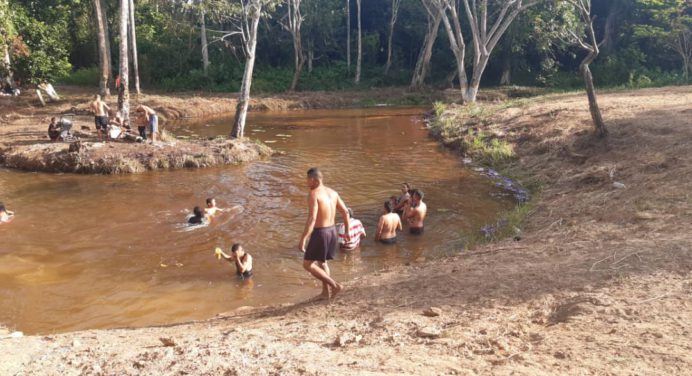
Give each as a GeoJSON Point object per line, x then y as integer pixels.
{"type": "Point", "coordinates": [241, 259]}
{"type": "Point", "coordinates": [211, 209]}
{"type": "Point", "coordinates": [416, 212]}
{"type": "Point", "coordinates": [54, 129]}
{"type": "Point", "coordinates": [198, 217]}
{"type": "Point", "coordinates": [388, 225]}
{"type": "Point", "coordinates": [5, 215]}
{"type": "Point", "coordinates": [357, 232]}
{"type": "Point", "coordinates": [403, 199]}
{"type": "Point", "coordinates": [152, 120]}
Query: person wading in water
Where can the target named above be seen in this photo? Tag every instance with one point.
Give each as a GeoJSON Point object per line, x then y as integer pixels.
{"type": "Point", "coordinates": [323, 202]}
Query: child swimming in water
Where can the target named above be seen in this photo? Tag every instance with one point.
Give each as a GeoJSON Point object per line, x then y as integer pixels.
{"type": "Point", "coordinates": [198, 218]}
{"type": "Point", "coordinates": [241, 259]}
{"type": "Point", "coordinates": [5, 215]}
{"type": "Point", "coordinates": [211, 208]}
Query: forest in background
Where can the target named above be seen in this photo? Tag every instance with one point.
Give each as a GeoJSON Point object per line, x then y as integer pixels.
{"type": "Point", "coordinates": [56, 40]}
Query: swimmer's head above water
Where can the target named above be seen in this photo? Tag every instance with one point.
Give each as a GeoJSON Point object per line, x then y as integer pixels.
{"type": "Point", "coordinates": [388, 207]}
{"type": "Point", "coordinates": [197, 211]}
{"type": "Point", "coordinates": [211, 202]}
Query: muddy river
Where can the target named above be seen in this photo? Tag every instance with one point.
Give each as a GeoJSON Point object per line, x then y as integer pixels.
{"type": "Point", "coordinates": [111, 251]}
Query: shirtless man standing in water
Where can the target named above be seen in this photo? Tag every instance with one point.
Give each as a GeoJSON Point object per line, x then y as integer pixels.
{"type": "Point", "coordinates": [100, 109]}
{"type": "Point", "coordinates": [415, 214]}
{"type": "Point", "coordinates": [323, 202]}
{"type": "Point", "coordinates": [388, 225]}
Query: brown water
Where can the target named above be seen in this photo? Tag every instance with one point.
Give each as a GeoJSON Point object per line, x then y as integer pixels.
{"type": "Point", "coordinates": [110, 251]}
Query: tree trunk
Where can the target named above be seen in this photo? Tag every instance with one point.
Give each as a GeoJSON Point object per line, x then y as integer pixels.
{"type": "Point", "coordinates": [360, 45]}
{"type": "Point", "coordinates": [104, 64]}
{"type": "Point", "coordinates": [124, 90]}
{"type": "Point", "coordinates": [423, 62]}
{"type": "Point", "coordinates": [133, 46]}
{"type": "Point", "coordinates": [106, 33]}
{"type": "Point", "coordinates": [601, 130]}
{"type": "Point", "coordinates": [251, 46]}
{"type": "Point", "coordinates": [390, 35]}
{"type": "Point", "coordinates": [311, 56]}
{"type": "Point", "coordinates": [348, 34]}
{"type": "Point", "coordinates": [205, 49]}
{"type": "Point", "coordinates": [295, 20]}
{"type": "Point", "coordinates": [7, 64]}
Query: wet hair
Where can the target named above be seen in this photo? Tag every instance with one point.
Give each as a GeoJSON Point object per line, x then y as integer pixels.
{"type": "Point", "coordinates": [350, 212]}
{"type": "Point", "coordinates": [407, 185]}
{"type": "Point", "coordinates": [236, 247]}
{"type": "Point", "coordinates": [96, 96]}
{"type": "Point", "coordinates": [209, 200]}
{"type": "Point", "coordinates": [419, 193]}
{"type": "Point", "coordinates": [315, 173]}
{"type": "Point", "coordinates": [2, 207]}
{"type": "Point", "coordinates": [198, 211]}
{"type": "Point", "coordinates": [388, 206]}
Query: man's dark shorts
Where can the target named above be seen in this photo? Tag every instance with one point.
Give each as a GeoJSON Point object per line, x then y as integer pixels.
{"type": "Point", "coordinates": [322, 245]}
{"type": "Point", "coordinates": [101, 122]}
{"type": "Point", "coordinates": [416, 230]}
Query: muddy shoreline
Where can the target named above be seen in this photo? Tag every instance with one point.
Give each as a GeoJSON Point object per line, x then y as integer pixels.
{"type": "Point", "coordinates": [600, 282]}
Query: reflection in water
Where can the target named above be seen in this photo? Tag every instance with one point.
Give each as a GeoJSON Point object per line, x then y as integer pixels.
{"type": "Point", "coordinates": [107, 251]}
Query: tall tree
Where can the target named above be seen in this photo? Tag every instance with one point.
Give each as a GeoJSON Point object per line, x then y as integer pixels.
{"type": "Point", "coordinates": [587, 41]}
{"type": "Point", "coordinates": [423, 62]}
{"type": "Point", "coordinates": [484, 39]}
{"type": "Point", "coordinates": [102, 36]}
{"type": "Point", "coordinates": [250, 16]}
{"type": "Point", "coordinates": [204, 42]}
{"type": "Point", "coordinates": [293, 25]}
{"type": "Point", "coordinates": [348, 34]}
{"type": "Point", "coordinates": [133, 45]}
{"type": "Point", "coordinates": [6, 36]}
{"type": "Point", "coordinates": [123, 88]}
{"type": "Point", "coordinates": [359, 61]}
{"type": "Point", "coordinates": [106, 33]}
{"type": "Point", "coordinates": [390, 33]}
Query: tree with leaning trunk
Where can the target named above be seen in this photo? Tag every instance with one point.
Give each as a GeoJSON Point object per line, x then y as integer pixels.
{"type": "Point", "coordinates": [251, 10]}
{"type": "Point", "coordinates": [423, 62]}
{"type": "Point", "coordinates": [348, 34]}
{"type": "Point", "coordinates": [104, 59]}
{"type": "Point", "coordinates": [587, 41]}
{"type": "Point", "coordinates": [396, 4]}
{"type": "Point", "coordinates": [123, 89]}
{"type": "Point", "coordinates": [484, 36]}
{"type": "Point", "coordinates": [293, 25]}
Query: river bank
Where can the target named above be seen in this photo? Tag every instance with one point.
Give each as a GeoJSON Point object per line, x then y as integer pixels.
{"type": "Point", "coordinates": [599, 282]}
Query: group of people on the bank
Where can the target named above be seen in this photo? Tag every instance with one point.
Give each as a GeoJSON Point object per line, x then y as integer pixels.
{"type": "Point", "coordinates": [111, 127]}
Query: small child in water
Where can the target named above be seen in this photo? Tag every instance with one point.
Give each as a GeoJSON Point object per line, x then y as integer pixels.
{"type": "Point", "coordinates": [241, 259]}
{"type": "Point", "coordinates": [211, 208]}
{"type": "Point", "coordinates": [5, 215]}
{"type": "Point", "coordinates": [198, 218]}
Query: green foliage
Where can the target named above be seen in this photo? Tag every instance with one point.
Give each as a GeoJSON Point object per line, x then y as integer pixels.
{"type": "Point", "coordinates": [82, 77]}
{"type": "Point", "coordinates": [48, 50]}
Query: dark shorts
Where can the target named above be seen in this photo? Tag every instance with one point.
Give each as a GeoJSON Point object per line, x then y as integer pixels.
{"type": "Point", "coordinates": [142, 132]}
{"type": "Point", "coordinates": [388, 241]}
{"type": "Point", "coordinates": [101, 122]}
{"type": "Point", "coordinates": [416, 230]}
{"type": "Point", "coordinates": [323, 244]}
{"type": "Point", "coordinates": [244, 275]}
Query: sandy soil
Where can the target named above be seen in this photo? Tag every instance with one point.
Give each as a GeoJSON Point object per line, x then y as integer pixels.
{"type": "Point", "coordinates": [600, 282]}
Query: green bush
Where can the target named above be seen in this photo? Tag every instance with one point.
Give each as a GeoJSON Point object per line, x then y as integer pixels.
{"type": "Point", "coordinates": [82, 77]}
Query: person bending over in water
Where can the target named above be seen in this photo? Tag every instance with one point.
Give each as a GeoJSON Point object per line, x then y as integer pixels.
{"type": "Point", "coordinates": [241, 259]}
{"type": "Point", "coordinates": [211, 208]}
{"type": "Point", "coordinates": [323, 202]}
{"type": "Point", "coordinates": [388, 225]}
{"type": "Point", "coordinates": [415, 214]}
{"type": "Point", "coordinates": [357, 232]}
{"type": "Point", "coordinates": [5, 215]}
{"type": "Point", "coordinates": [198, 218]}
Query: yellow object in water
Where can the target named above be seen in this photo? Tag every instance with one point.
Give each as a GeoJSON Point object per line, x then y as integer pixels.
{"type": "Point", "coordinates": [218, 252]}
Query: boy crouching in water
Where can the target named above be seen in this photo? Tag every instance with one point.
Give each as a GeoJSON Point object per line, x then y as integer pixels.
{"type": "Point", "coordinates": [241, 259]}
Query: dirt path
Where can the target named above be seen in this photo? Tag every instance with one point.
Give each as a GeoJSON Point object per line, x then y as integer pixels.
{"type": "Point", "coordinates": [600, 282]}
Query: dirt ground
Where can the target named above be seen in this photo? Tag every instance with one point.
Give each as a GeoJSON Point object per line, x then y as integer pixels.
{"type": "Point", "coordinates": [599, 283]}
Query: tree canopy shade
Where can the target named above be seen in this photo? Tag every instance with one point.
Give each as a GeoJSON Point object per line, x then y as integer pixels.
{"type": "Point", "coordinates": [647, 42]}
